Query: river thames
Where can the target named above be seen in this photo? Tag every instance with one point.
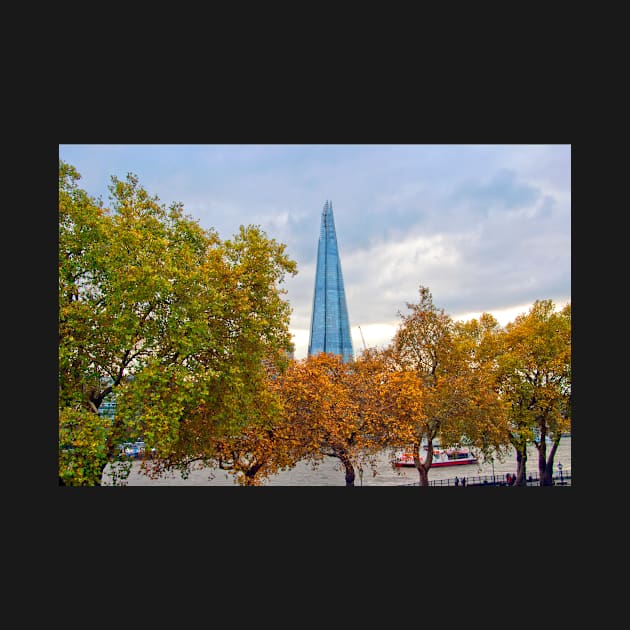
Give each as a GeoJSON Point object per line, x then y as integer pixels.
{"type": "Point", "coordinates": [330, 472]}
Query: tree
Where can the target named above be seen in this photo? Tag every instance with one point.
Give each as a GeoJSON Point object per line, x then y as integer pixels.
{"type": "Point", "coordinates": [452, 372]}
{"type": "Point", "coordinates": [484, 421]}
{"type": "Point", "coordinates": [165, 316]}
{"type": "Point", "coordinates": [334, 410]}
{"type": "Point", "coordinates": [536, 381]}
{"type": "Point", "coordinates": [422, 345]}
{"type": "Point", "coordinates": [263, 447]}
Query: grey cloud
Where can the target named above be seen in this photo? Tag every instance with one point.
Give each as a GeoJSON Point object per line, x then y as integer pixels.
{"type": "Point", "coordinates": [503, 192]}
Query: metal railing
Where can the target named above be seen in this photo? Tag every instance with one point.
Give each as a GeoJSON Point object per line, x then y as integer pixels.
{"type": "Point", "coordinates": [559, 479]}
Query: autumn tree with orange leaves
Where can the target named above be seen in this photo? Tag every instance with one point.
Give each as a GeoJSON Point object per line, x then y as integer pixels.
{"type": "Point", "coordinates": [535, 370]}
{"type": "Point", "coordinates": [336, 409]}
{"type": "Point", "coordinates": [483, 419]}
{"type": "Point", "coordinates": [452, 378]}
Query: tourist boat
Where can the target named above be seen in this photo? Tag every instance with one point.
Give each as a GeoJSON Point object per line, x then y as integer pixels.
{"type": "Point", "coordinates": [455, 456]}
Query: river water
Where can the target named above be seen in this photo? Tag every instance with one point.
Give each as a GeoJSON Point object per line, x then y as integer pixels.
{"type": "Point", "coordinates": [330, 472]}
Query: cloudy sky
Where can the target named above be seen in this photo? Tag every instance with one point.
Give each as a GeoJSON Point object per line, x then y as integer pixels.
{"type": "Point", "coordinates": [484, 227]}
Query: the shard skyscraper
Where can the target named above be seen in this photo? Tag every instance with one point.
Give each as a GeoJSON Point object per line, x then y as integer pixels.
{"type": "Point", "coordinates": [330, 327]}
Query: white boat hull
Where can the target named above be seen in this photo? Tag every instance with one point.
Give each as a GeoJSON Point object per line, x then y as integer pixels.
{"type": "Point", "coordinates": [446, 457]}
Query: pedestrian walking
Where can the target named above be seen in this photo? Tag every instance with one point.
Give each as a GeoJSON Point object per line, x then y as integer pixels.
{"type": "Point", "coordinates": [463, 481]}
{"type": "Point", "coordinates": [457, 481]}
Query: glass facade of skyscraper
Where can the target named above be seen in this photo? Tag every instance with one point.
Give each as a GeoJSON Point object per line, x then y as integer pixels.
{"type": "Point", "coordinates": [330, 326]}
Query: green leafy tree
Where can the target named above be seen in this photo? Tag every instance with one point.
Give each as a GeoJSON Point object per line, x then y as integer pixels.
{"type": "Point", "coordinates": [165, 316]}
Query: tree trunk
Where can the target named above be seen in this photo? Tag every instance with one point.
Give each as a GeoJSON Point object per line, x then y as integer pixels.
{"type": "Point", "coordinates": [349, 468]}
{"type": "Point", "coordinates": [544, 470]}
{"type": "Point", "coordinates": [250, 475]}
{"type": "Point", "coordinates": [423, 467]}
{"type": "Point", "coordinates": [424, 474]}
{"type": "Point", "coordinates": [521, 468]}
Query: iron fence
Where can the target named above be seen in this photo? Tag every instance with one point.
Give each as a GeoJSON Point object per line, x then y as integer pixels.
{"type": "Point", "coordinates": [559, 479]}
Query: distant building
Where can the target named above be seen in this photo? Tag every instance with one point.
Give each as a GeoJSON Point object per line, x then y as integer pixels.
{"type": "Point", "coordinates": [330, 326]}
{"type": "Point", "coordinates": [108, 406]}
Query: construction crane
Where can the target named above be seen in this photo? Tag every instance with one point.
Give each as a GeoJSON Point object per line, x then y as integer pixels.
{"type": "Point", "coordinates": [362, 338]}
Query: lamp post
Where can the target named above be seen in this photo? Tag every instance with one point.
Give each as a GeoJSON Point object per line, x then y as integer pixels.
{"type": "Point", "coordinates": [560, 470]}
{"type": "Point", "coordinates": [493, 479]}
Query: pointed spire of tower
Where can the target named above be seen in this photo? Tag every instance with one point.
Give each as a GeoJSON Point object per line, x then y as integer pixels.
{"type": "Point", "coordinates": [330, 326]}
